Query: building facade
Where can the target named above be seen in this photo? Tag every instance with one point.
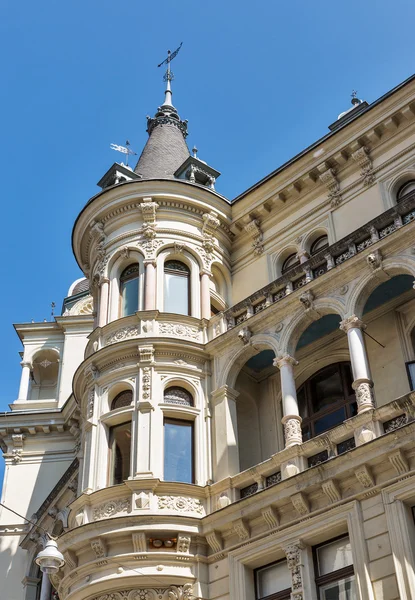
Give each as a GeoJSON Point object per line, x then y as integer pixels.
{"type": "Point", "coordinates": [224, 409]}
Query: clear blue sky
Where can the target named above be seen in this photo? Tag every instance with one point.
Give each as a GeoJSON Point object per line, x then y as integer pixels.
{"type": "Point", "coordinates": [257, 82]}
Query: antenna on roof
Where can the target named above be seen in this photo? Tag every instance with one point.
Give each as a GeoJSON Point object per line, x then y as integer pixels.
{"type": "Point", "coordinates": [169, 76]}
{"type": "Point", "coordinates": [53, 306]}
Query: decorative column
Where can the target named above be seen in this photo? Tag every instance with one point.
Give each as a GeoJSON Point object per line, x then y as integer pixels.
{"type": "Point", "coordinates": [103, 301]}
{"type": "Point", "coordinates": [225, 432]}
{"type": "Point", "coordinates": [25, 380]}
{"type": "Point", "coordinates": [150, 285]}
{"type": "Point", "coordinates": [294, 564]}
{"type": "Point", "coordinates": [205, 294]}
{"type": "Point", "coordinates": [46, 588]}
{"type": "Point", "coordinates": [291, 419]}
{"type": "Point", "coordinates": [362, 380]}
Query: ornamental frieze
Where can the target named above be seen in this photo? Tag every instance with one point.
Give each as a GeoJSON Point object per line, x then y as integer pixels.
{"type": "Point", "coordinates": [124, 333]}
{"type": "Point", "coordinates": [180, 504]}
{"type": "Point", "coordinates": [179, 330]}
{"type": "Point", "coordinates": [111, 508]}
{"type": "Point", "coordinates": [171, 593]}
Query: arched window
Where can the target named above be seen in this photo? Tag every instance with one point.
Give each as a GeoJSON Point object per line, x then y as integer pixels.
{"type": "Point", "coordinates": [320, 243]}
{"type": "Point", "coordinates": [290, 262]}
{"type": "Point", "coordinates": [129, 290]}
{"type": "Point", "coordinates": [120, 450]}
{"type": "Point", "coordinates": [176, 287]}
{"type": "Point", "coordinates": [326, 399]}
{"type": "Point", "coordinates": [122, 399]}
{"type": "Point", "coordinates": [45, 373]}
{"type": "Point", "coordinates": [405, 190]}
{"type": "Point", "coordinates": [178, 395]}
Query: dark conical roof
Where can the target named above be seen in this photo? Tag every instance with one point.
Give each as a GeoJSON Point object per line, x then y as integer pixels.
{"type": "Point", "coordinates": [166, 148]}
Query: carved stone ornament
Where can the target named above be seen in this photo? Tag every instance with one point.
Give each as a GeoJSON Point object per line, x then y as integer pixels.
{"type": "Point", "coordinates": [180, 504]}
{"type": "Point", "coordinates": [142, 500]}
{"type": "Point", "coordinates": [173, 592]}
{"type": "Point", "coordinates": [293, 554]}
{"type": "Point", "coordinates": [125, 333]}
{"type": "Point", "coordinates": [329, 179]}
{"type": "Point", "coordinates": [361, 156]}
{"type": "Point", "coordinates": [270, 517]}
{"type": "Point", "coordinates": [183, 543]}
{"type": "Point", "coordinates": [307, 300]}
{"type": "Point", "coordinates": [100, 551]}
{"type": "Point", "coordinates": [91, 371]}
{"type": "Point", "coordinates": [139, 541]}
{"type": "Point", "coordinates": [292, 430]}
{"type": "Point", "coordinates": [149, 210]}
{"type": "Point", "coordinates": [374, 260]}
{"type": "Point", "coordinates": [300, 504]}
{"type": "Point", "coordinates": [352, 322]}
{"type": "Point", "coordinates": [399, 462]}
{"type": "Point", "coordinates": [210, 222]}
{"type": "Point", "coordinates": [214, 539]}
{"type": "Point", "coordinates": [90, 405]}
{"type": "Point", "coordinates": [254, 230]}
{"type": "Point", "coordinates": [364, 396]}
{"type": "Point", "coordinates": [146, 353]}
{"type": "Point", "coordinates": [85, 306]}
{"type": "Point", "coordinates": [150, 246]}
{"type": "Point", "coordinates": [241, 529]}
{"type": "Point", "coordinates": [284, 360]}
{"type": "Point", "coordinates": [364, 476]}
{"type": "Point", "coordinates": [331, 490]}
{"type": "Point", "coordinates": [111, 508]}
{"type": "Point", "coordinates": [146, 384]}
{"type": "Point", "coordinates": [245, 335]}
{"type": "Point", "coordinates": [179, 330]}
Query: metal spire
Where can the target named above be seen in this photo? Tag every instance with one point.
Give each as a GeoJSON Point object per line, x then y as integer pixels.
{"type": "Point", "coordinates": [168, 76]}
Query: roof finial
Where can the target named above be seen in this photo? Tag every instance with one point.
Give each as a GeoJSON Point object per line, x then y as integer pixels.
{"type": "Point", "coordinates": [194, 150]}
{"type": "Point", "coordinates": [355, 99]}
{"type": "Point", "coordinates": [168, 76]}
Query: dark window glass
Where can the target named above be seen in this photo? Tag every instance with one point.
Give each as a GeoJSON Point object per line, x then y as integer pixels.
{"type": "Point", "coordinates": [120, 449]}
{"type": "Point", "coordinates": [410, 368]}
{"type": "Point", "coordinates": [129, 290]}
{"type": "Point", "coordinates": [176, 287]}
{"type": "Point", "coordinates": [273, 582]}
{"type": "Point", "coordinates": [319, 244]}
{"type": "Point", "coordinates": [178, 451]}
{"type": "Point", "coordinates": [290, 262]}
{"type": "Point", "coordinates": [326, 399]}
{"type": "Point", "coordinates": [122, 399]}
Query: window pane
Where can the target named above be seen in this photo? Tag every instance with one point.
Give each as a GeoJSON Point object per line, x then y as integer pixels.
{"type": "Point", "coordinates": [326, 388]}
{"type": "Point", "coordinates": [178, 451]}
{"type": "Point", "coordinates": [272, 579]}
{"type": "Point", "coordinates": [329, 421]}
{"type": "Point", "coordinates": [411, 371]}
{"type": "Point", "coordinates": [176, 294]}
{"type": "Point", "coordinates": [120, 452]}
{"type": "Point", "coordinates": [129, 297]}
{"type": "Point", "coordinates": [334, 556]}
{"type": "Point", "coordinates": [343, 589]}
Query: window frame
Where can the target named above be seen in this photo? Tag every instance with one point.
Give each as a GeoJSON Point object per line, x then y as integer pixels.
{"type": "Point", "coordinates": [339, 574]}
{"type": "Point", "coordinates": [125, 279]}
{"type": "Point", "coordinates": [408, 372]}
{"type": "Point", "coordinates": [282, 595]}
{"type": "Point", "coordinates": [313, 251]}
{"type": "Point", "coordinates": [284, 268]}
{"type": "Point", "coordinates": [113, 401]}
{"type": "Point", "coordinates": [347, 401]}
{"type": "Point", "coordinates": [188, 422]}
{"type": "Point", "coordinates": [178, 273]}
{"type": "Point", "coordinates": [399, 195]}
{"type": "Point", "coordinates": [110, 470]}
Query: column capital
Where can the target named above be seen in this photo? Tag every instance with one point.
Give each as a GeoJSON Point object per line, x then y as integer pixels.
{"type": "Point", "coordinates": [284, 360]}
{"type": "Point", "coordinates": [352, 322]}
{"type": "Point", "coordinates": [205, 272]}
{"type": "Point", "coordinates": [103, 280]}
{"type": "Point", "coordinates": [26, 363]}
{"type": "Point", "coordinates": [150, 261]}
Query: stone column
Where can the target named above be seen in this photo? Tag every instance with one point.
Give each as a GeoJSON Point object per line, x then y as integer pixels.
{"type": "Point", "coordinates": [103, 301]}
{"type": "Point", "coordinates": [362, 380]}
{"type": "Point", "coordinates": [225, 432]}
{"type": "Point", "coordinates": [150, 285]}
{"type": "Point", "coordinates": [25, 380]}
{"type": "Point", "coordinates": [46, 588]}
{"type": "Point", "coordinates": [205, 294]}
{"type": "Point", "coordinates": [291, 419]}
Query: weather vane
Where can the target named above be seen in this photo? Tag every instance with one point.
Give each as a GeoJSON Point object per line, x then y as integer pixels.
{"type": "Point", "coordinates": [168, 76]}
{"type": "Point", "coordinates": [124, 150]}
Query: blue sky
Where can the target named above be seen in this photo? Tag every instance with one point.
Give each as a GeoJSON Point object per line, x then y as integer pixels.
{"type": "Point", "coordinates": [258, 83]}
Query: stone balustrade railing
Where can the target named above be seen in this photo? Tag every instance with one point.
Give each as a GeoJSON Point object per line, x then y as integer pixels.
{"type": "Point", "coordinates": [319, 264]}
{"type": "Point", "coordinates": [147, 324]}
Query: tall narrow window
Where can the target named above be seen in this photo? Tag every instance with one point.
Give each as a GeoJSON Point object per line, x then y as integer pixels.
{"type": "Point", "coordinates": [273, 582]}
{"type": "Point", "coordinates": [178, 451]}
{"type": "Point", "coordinates": [120, 450]}
{"type": "Point", "coordinates": [176, 287]}
{"type": "Point", "coordinates": [334, 570]}
{"type": "Point", "coordinates": [129, 290]}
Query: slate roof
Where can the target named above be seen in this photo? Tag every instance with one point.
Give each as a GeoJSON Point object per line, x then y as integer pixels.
{"type": "Point", "coordinates": [164, 152]}
{"type": "Point", "coordinates": [81, 286]}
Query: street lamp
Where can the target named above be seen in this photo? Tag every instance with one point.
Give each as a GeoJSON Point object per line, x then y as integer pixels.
{"type": "Point", "coordinates": [50, 560]}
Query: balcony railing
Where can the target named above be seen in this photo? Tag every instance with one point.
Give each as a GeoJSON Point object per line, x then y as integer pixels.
{"type": "Point", "coordinates": [322, 262]}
